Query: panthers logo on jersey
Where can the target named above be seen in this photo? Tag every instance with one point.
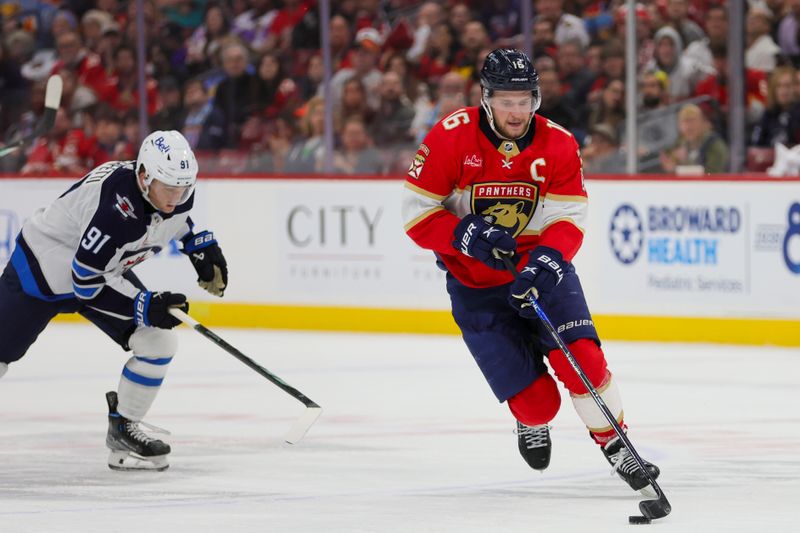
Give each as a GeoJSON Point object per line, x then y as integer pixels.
{"type": "Point", "coordinates": [509, 205]}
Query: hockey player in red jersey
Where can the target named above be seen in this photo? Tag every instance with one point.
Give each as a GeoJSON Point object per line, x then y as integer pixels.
{"type": "Point", "coordinates": [500, 178]}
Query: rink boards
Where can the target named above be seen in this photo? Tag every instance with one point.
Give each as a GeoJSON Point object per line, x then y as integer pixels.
{"type": "Point", "coordinates": [684, 260]}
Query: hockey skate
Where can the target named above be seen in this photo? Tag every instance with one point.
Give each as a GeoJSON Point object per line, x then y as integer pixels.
{"type": "Point", "coordinates": [131, 448]}
{"type": "Point", "coordinates": [534, 444]}
{"type": "Point", "coordinates": [626, 467]}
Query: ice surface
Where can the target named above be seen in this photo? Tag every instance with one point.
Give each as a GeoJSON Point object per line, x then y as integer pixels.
{"type": "Point", "coordinates": [411, 440]}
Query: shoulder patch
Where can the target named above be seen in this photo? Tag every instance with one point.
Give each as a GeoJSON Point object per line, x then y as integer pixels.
{"type": "Point", "coordinates": [124, 207]}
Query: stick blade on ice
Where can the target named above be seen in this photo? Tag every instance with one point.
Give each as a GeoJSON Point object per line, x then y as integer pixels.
{"type": "Point", "coordinates": [302, 425]}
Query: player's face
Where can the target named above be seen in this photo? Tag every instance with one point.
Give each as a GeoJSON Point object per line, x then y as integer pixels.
{"type": "Point", "coordinates": [164, 197]}
{"type": "Point", "coordinates": [512, 111]}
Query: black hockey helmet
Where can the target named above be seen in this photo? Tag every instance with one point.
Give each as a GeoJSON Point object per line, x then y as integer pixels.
{"type": "Point", "coordinates": [509, 70]}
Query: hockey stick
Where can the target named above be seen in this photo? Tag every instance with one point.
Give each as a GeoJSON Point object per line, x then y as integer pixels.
{"type": "Point", "coordinates": [650, 509]}
{"type": "Point", "coordinates": [304, 423]}
{"type": "Point", "coordinates": [52, 100]}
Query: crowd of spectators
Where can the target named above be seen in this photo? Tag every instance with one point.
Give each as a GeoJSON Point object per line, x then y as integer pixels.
{"type": "Point", "coordinates": [242, 78]}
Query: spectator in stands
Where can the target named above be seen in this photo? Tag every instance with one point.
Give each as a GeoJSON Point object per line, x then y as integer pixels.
{"type": "Point", "coordinates": [341, 39]}
{"type": "Point", "coordinates": [576, 79]}
{"type": "Point", "coordinates": [678, 19]}
{"type": "Point", "coordinates": [92, 24]}
{"type": "Point", "coordinates": [699, 51]}
{"type": "Point", "coordinates": [14, 89]}
{"type": "Point", "coordinates": [567, 27]}
{"type": "Point", "coordinates": [307, 153]}
{"type": "Point", "coordinates": [308, 84]}
{"type": "Point", "coordinates": [122, 87]}
{"type": "Point", "coordinates": [110, 40]}
{"type": "Point", "coordinates": [284, 22]}
{"type": "Point", "coordinates": [76, 98]}
{"type": "Point", "coordinates": [365, 61]}
{"type": "Point", "coordinates": [460, 16]}
{"type": "Point", "coordinates": [451, 94]}
{"type": "Point", "coordinates": [60, 151]}
{"type": "Point", "coordinates": [553, 106]}
{"type": "Point", "coordinates": [429, 16]}
{"type": "Point", "coordinates": [203, 124]}
{"type": "Point", "coordinates": [780, 123]}
{"type": "Point", "coordinates": [610, 108]}
{"type": "Point", "coordinates": [353, 103]}
{"type": "Point", "coordinates": [698, 144]}
{"type": "Point", "coordinates": [544, 37]}
{"type": "Point", "coordinates": [356, 154]}
{"type": "Point", "coordinates": [392, 124]}
{"type": "Point", "coordinates": [439, 56]}
{"type": "Point", "coordinates": [87, 66]}
{"type": "Point", "coordinates": [276, 93]}
{"type": "Point", "coordinates": [474, 39]}
{"type": "Point", "coordinates": [612, 67]}
{"type": "Point", "coordinates": [170, 115]}
{"type": "Point", "coordinates": [654, 90]}
{"type": "Point", "coordinates": [601, 154]}
{"type": "Point", "coordinates": [108, 142]}
{"type": "Point", "coordinates": [716, 88]}
{"type": "Point", "coordinates": [130, 128]}
{"type": "Point", "coordinates": [761, 50]}
{"type": "Point", "coordinates": [788, 30]}
{"type": "Point", "coordinates": [237, 94]}
{"type": "Point", "coordinates": [207, 38]}
{"type": "Point", "coordinates": [683, 74]}
{"type": "Point", "coordinates": [644, 32]}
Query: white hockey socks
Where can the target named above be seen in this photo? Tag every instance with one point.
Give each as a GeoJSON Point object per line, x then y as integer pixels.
{"type": "Point", "coordinates": [140, 382]}
{"type": "Point", "coordinates": [591, 414]}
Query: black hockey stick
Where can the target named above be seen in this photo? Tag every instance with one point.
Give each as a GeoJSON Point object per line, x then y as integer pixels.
{"type": "Point", "coordinates": [52, 100]}
{"type": "Point", "coordinates": [304, 423]}
{"type": "Point", "coordinates": [650, 509]}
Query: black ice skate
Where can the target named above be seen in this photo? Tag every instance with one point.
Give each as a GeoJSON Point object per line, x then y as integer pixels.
{"type": "Point", "coordinates": [534, 444]}
{"type": "Point", "coordinates": [131, 448]}
{"type": "Point", "coordinates": [625, 465]}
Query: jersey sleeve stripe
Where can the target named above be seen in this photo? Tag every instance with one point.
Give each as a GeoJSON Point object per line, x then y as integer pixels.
{"type": "Point", "coordinates": [423, 192]}
{"type": "Point", "coordinates": [422, 217]}
{"type": "Point", "coordinates": [82, 271]}
{"type": "Point", "coordinates": [566, 198]}
{"type": "Point", "coordinates": [86, 293]}
{"type": "Point", "coordinates": [565, 219]}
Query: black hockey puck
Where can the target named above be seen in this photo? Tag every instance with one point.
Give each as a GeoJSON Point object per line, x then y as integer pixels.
{"type": "Point", "coordinates": [638, 520]}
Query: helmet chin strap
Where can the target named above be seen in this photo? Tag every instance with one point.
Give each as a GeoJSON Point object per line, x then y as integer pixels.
{"type": "Point", "coordinates": [144, 188]}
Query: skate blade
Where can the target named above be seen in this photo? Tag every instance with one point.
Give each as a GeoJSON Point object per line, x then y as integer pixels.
{"type": "Point", "coordinates": [126, 461]}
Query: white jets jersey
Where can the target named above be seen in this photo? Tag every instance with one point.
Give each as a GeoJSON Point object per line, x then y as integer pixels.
{"type": "Point", "coordinates": [82, 244]}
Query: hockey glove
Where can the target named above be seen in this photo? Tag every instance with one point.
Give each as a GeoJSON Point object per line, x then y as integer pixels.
{"type": "Point", "coordinates": [477, 238]}
{"type": "Point", "coordinates": [151, 309]}
{"type": "Point", "coordinates": [544, 271]}
{"type": "Point", "coordinates": [208, 261]}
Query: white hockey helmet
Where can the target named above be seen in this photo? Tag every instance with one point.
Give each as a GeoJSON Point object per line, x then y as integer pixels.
{"type": "Point", "coordinates": [167, 157]}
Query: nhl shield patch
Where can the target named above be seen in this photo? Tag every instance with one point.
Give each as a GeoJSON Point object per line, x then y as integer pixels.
{"type": "Point", "coordinates": [510, 205]}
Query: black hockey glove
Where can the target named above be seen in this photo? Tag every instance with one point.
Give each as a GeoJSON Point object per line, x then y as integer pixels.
{"type": "Point", "coordinates": [544, 271]}
{"type": "Point", "coordinates": [477, 238]}
{"type": "Point", "coordinates": [208, 261]}
{"type": "Point", "coordinates": [152, 309]}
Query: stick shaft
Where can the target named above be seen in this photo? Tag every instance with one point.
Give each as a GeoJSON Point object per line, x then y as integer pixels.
{"type": "Point", "coordinates": [222, 343]}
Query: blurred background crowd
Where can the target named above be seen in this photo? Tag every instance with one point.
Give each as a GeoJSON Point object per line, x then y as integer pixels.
{"type": "Point", "coordinates": [242, 79]}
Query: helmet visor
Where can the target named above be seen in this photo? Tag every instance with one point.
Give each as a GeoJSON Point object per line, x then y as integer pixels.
{"type": "Point", "coordinates": [513, 104]}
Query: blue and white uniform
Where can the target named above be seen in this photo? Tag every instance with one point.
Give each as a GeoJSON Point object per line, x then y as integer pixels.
{"type": "Point", "coordinates": [76, 255]}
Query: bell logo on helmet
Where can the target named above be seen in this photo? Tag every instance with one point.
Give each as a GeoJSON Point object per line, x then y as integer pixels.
{"type": "Point", "coordinates": [162, 146]}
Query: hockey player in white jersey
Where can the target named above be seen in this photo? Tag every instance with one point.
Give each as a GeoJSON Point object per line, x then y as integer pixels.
{"type": "Point", "coordinates": [76, 255]}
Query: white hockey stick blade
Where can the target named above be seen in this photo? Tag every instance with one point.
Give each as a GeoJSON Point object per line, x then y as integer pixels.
{"type": "Point", "coordinates": [302, 425]}
{"type": "Point", "coordinates": [52, 94]}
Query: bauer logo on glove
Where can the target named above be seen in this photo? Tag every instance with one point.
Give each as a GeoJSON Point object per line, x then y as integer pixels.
{"type": "Point", "coordinates": [207, 259]}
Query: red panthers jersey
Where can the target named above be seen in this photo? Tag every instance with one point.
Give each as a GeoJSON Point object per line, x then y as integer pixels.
{"type": "Point", "coordinates": [533, 187]}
